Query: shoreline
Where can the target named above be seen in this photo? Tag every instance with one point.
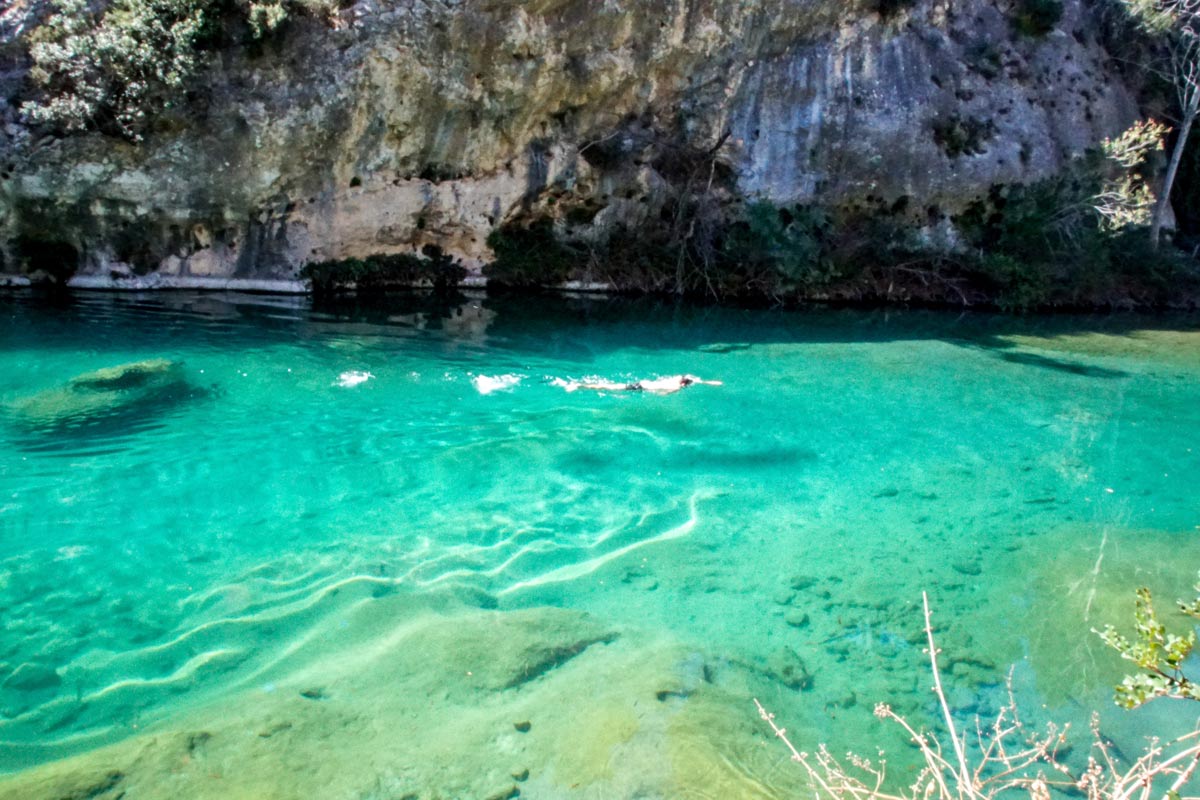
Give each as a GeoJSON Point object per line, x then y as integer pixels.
{"type": "Point", "coordinates": [280, 287]}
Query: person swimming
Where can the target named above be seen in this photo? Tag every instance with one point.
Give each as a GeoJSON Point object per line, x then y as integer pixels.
{"type": "Point", "coordinates": [659, 386]}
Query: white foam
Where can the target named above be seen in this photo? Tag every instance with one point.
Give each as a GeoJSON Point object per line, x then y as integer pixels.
{"type": "Point", "coordinates": [486, 384]}
{"type": "Point", "coordinates": [353, 378]}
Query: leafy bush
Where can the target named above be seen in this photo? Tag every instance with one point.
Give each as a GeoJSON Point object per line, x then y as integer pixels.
{"type": "Point", "coordinates": [791, 242]}
{"type": "Point", "coordinates": [1035, 243]}
{"type": "Point", "coordinates": [115, 70]}
{"type": "Point", "coordinates": [111, 71]}
{"type": "Point", "coordinates": [530, 255]}
{"type": "Point", "coordinates": [1015, 285]}
{"type": "Point", "coordinates": [381, 272]}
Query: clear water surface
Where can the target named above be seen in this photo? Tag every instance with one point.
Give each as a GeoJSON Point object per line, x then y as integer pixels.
{"type": "Point", "coordinates": [248, 580]}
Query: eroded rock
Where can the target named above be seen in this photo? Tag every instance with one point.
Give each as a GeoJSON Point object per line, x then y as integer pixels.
{"type": "Point", "coordinates": [401, 125]}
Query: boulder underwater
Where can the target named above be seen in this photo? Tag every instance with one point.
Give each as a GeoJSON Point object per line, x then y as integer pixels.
{"type": "Point", "coordinates": [98, 400]}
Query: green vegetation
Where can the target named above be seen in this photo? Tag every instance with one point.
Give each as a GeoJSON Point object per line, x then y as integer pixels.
{"type": "Point", "coordinates": [1037, 17]}
{"type": "Point", "coordinates": [110, 71]}
{"type": "Point", "coordinates": [381, 272]}
{"type": "Point", "coordinates": [1174, 25]}
{"type": "Point", "coordinates": [963, 136]}
{"type": "Point", "coordinates": [530, 255]}
{"type": "Point", "coordinates": [1076, 240]}
{"type": "Point", "coordinates": [1158, 654]}
{"type": "Point", "coordinates": [1078, 237]}
{"type": "Point", "coordinates": [985, 58]}
{"type": "Point", "coordinates": [791, 242]}
{"type": "Point", "coordinates": [117, 69]}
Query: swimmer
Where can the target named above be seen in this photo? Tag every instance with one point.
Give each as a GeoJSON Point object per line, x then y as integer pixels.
{"type": "Point", "coordinates": [659, 386]}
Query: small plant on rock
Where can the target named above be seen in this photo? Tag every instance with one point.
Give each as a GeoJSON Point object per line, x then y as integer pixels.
{"type": "Point", "coordinates": [963, 136]}
{"type": "Point", "coordinates": [1158, 654]}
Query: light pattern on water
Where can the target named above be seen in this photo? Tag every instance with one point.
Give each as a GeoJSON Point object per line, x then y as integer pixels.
{"type": "Point", "coordinates": [271, 549]}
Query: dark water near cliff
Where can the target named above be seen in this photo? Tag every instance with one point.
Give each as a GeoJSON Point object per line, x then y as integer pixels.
{"type": "Point", "coordinates": [258, 575]}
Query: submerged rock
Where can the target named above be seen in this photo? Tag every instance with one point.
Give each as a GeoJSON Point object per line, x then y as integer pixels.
{"type": "Point", "coordinates": [105, 395]}
{"type": "Point", "coordinates": [797, 618]}
{"type": "Point", "coordinates": [786, 666]}
{"type": "Point", "coordinates": [127, 376]}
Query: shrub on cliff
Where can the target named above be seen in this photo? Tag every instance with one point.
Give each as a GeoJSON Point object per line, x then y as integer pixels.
{"type": "Point", "coordinates": [117, 68]}
{"type": "Point", "coordinates": [432, 268]}
{"type": "Point", "coordinates": [111, 71]}
{"type": "Point", "coordinates": [791, 242]}
{"type": "Point", "coordinates": [1037, 17]}
{"type": "Point", "coordinates": [530, 255]}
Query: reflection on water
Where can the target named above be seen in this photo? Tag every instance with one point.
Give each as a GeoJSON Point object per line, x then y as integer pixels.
{"type": "Point", "coordinates": [227, 571]}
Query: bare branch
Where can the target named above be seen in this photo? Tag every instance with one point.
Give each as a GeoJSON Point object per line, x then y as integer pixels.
{"type": "Point", "coordinates": [1006, 756]}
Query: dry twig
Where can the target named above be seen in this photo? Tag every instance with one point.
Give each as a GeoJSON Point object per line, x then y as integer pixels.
{"type": "Point", "coordinates": [1007, 756]}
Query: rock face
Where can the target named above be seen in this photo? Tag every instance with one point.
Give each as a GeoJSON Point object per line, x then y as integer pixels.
{"type": "Point", "coordinates": [403, 123]}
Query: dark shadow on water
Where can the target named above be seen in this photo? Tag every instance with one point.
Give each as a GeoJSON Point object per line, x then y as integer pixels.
{"type": "Point", "coordinates": [768, 458]}
{"type": "Point", "coordinates": [562, 326]}
{"type": "Point", "coordinates": [1073, 368]}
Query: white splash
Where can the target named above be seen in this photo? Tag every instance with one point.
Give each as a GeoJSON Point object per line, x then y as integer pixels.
{"type": "Point", "coordinates": [353, 378]}
{"type": "Point", "coordinates": [486, 384]}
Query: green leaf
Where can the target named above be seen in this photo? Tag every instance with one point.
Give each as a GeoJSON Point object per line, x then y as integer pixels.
{"type": "Point", "coordinates": [1160, 654]}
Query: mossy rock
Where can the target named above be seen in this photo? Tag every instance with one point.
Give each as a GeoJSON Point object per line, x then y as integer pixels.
{"type": "Point", "coordinates": [99, 396]}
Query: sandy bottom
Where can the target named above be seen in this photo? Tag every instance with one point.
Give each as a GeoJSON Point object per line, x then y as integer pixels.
{"type": "Point", "coordinates": [409, 702]}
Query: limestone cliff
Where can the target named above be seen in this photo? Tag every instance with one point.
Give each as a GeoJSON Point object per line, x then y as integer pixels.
{"type": "Point", "coordinates": [400, 123]}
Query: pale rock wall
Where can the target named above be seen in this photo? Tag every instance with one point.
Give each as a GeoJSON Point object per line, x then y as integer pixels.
{"type": "Point", "coordinates": [412, 122]}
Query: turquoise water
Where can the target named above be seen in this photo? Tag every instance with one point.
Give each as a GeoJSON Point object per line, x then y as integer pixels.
{"type": "Point", "coordinates": [254, 581]}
